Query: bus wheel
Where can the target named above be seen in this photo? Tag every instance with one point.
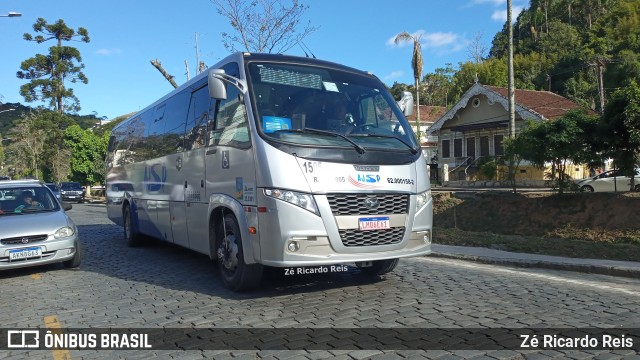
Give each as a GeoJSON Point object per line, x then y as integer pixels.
{"type": "Point", "coordinates": [236, 275]}
{"type": "Point", "coordinates": [130, 236]}
{"type": "Point", "coordinates": [380, 267]}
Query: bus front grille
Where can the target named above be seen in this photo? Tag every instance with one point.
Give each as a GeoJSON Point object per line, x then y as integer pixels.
{"type": "Point", "coordinates": [355, 237]}
{"type": "Point", "coordinates": [361, 204]}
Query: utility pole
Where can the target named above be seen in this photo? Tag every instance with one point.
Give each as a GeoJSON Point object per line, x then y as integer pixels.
{"type": "Point", "coordinates": [197, 55]}
{"type": "Point", "coordinates": [600, 69]}
{"type": "Point", "coordinates": [512, 93]}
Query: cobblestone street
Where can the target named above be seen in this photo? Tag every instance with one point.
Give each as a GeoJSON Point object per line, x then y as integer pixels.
{"type": "Point", "coordinates": [161, 285]}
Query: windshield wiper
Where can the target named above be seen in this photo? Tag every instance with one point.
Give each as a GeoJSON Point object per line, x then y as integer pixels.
{"type": "Point", "coordinates": [358, 148]}
{"type": "Point", "coordinates": [413, 151]}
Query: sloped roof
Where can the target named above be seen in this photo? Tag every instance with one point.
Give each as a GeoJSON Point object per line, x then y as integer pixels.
{"type": "Point", "coordinates": [545, 103]}
{"type": "Point", "coordinates": [428, 113]}
{"type": "Point", "coordinates": [530, 104]}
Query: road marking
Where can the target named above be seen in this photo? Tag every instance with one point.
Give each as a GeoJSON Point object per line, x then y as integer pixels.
{"type": "Point", "coordinates": [497, 268]}
{"type": "Point", "coordinates": [36, 277]}
{"type": "Point", "coordinates": [52, 323]}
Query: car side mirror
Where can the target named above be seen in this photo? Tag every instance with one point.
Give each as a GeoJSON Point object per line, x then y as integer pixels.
{"type": "Point", "coordinates": [67, 206]}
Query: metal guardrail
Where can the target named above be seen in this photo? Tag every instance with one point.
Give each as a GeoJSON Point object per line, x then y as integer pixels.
{"type": "Point", "coordinates": [461, 164]}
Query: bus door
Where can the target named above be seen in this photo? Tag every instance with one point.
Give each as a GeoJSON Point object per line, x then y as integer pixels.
{"type": "Point", "coordinates": [229, 158]}
{"type": "Point", "coordinates": [196, 202]}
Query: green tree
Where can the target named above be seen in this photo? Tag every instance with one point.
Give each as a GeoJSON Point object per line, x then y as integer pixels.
{"type": "Point", "coordinates": [88, 152]}
{"type": "Point", "coordinates": [559, 142]}
{"type": "Point", "coordinates": [621, 120]}
{"type": "Point", "coordinates": [36, 142]}
{"type": "Point", "coordinates": [49, 73]}
{"type": "Point", "coordinates": [416, 64]}
{"type": "Point", "coordinates": [437, 86]}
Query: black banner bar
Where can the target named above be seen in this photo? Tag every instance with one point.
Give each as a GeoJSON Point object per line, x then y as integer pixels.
{"type": "Point", "coordinates": [322, 339]}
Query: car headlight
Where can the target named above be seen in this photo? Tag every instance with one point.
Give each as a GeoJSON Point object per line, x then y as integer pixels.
{"type": "Point", "coordinates": [302, 200]}
{"type": "Point", "coordinates": [64, 232]}
{"type": "Point", "coordinates": [422, 199]}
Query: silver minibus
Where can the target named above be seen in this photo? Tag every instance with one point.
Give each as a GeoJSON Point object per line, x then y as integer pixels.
{"type": "Point", "coordinates": [274, 160]}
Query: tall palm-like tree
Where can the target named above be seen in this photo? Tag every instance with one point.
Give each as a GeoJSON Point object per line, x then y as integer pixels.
{"type": "Point", "coordinates": [416, 64]}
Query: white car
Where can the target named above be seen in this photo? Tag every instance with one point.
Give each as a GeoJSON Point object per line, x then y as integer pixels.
{"type": "Point", "coordinates": [609, 181]}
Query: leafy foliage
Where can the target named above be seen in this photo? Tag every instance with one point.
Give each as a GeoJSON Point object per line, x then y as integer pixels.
{"type": "Point", "coordinates": [559, 142]}
{"type": "Point", "coordinates": [49, 73]}
{"type": "Point", "coordinates": [88, 152]}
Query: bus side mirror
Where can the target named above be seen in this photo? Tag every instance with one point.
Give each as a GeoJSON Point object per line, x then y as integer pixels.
{"type": "Point", "coordinates": [217, 89]}
{"type": "Point", "coordinates": [406, 103]}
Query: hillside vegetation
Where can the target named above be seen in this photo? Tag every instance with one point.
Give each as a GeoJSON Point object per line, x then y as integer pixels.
{"type": "Point", "coordinates": [593, 225]}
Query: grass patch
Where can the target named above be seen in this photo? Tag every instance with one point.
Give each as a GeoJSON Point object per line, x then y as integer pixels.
{"type": "Point", "coordinates": [559, 243]}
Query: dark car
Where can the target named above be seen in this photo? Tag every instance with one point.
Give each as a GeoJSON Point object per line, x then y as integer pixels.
{"type": "Point", "coordinates": [72, 191]}
{"type": "Point", "coordinates": [55, 190]}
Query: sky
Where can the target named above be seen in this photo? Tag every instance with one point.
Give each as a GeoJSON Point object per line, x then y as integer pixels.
{"type": "Point", "coordinates": [127, 34]}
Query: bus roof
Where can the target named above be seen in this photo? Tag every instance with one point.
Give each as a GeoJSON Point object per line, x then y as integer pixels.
{"type": "Point", "coordinates": [244, 57]}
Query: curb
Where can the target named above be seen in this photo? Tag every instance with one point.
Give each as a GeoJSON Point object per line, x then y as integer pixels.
{"type": "Point", "coordinates": [585, 268]}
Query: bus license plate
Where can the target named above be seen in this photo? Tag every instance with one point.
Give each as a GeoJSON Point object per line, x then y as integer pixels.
{"type": "Point", "coordinates": [24, 253]}
{"type": "Point", "coordinates": [374, 223]}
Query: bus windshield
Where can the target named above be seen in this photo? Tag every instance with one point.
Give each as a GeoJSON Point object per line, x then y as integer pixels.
{"type": "Point", "coordinates": [291, 99]}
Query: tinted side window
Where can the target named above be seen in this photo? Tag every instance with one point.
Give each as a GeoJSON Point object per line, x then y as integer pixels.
{"type": "Point", "coordinates": [176, 117]}
{"type": "Point", "coordinates": [229, 126]}
{"type": "Point", "coordinates": [198, 117]}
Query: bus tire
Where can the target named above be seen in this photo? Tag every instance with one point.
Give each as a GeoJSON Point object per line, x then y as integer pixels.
{"type": "Point", "coordinates": [131, 237]}
{"type": "Point", "coordinates": [235, 273]}
{"type": "Point", "coordinates": [380, 267]}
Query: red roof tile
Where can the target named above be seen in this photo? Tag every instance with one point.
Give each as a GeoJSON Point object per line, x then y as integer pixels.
{"type": "Point", "coordinates": [546, 103]}
{"type": "Point", "coordinates": [428, 113]}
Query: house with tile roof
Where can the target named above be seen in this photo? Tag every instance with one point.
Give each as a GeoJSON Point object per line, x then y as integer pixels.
{"type": "Point", "coordinates": [428, 116]}
{"type": "Point", "coordinates": [475, 127]}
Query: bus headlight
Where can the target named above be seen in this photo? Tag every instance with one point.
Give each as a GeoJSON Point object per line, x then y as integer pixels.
{"type": "Point", "coordinates": [302, 200]}
{"type": "Point", "coordinates": [422, 199]}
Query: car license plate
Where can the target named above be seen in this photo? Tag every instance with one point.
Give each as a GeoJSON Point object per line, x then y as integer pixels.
{"type": "Point", "coordinates": [19, 254]}
{"type": "Point", "coordinates": [374, 223]}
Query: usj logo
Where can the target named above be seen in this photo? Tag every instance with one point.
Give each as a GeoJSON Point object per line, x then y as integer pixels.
{"type": "Point", "coordinates": [155, 176]}
{"type": "Point", "coordinates": [23, 339]}
{"type": "Point", "coordinates": [371, 179]}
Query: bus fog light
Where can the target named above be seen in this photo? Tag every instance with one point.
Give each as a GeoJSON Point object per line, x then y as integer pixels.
{"type": "Point", "coordinates": [425, 236]}
{"type": "Point", "coordinates": [426, 239]}
{"type": "Point", "coordinates": [293, 246]}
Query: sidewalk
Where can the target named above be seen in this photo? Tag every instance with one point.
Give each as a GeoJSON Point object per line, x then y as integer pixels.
{"type": "Point", "coordinates": [490, 256]}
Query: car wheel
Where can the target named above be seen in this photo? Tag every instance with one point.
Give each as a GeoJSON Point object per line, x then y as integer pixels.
{"type": "Point", "coordinates": [235, 273]}
{"type": "Point", "coordinates": [586, 188]}
{"type": "Point", "coordinates": [380, 267]}
{"type": "Point", "coordinates": [131, 237]}
{"type": "Point", "coordinates": [637, 187]}
{"type": "Point", "coordinates": [75, 261]}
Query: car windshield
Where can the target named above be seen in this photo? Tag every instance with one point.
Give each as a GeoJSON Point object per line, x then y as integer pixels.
{"type": "Point", "coordinates": [53, 187]}
{"type": "Point", "coordinates": [26, 200]}
{"type": "Point", "coordinates": [70, 186]}
{"type": "Point", "coordinates": [291, 99]}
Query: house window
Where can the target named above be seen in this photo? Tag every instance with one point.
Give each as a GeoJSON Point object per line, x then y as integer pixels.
{"type": "Point", "coordinates": [471, 147]}
{"type": "Point", "coordinates": [498, 150]}
{"type": "Point", "coordinates": [484, 146]}
{"type": "Point", "coordinates": [446, 151]}
{"type": "Point", "coordinates": [457, 147]}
